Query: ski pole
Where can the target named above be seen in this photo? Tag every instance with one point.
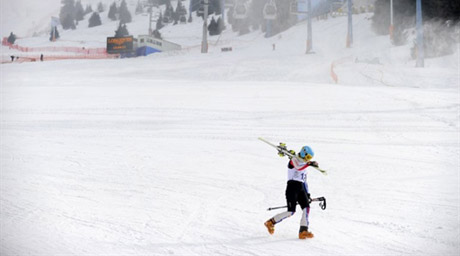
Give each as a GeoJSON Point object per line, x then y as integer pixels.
{"type": "Point", "coordinates": [278, 207]}
{"type": "Point", "coordinates": [321, 200]}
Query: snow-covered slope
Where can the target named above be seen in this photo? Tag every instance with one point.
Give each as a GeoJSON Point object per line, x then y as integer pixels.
{"type": "Point", "coordinates": [159, 155]}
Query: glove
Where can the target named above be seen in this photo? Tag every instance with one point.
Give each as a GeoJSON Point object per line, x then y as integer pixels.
{"type": "Point", "coordinates": [313, 163]}
{"type": "Point", "coordinates": [292, 153]}
{"type": "Point", "coordinates": [280, 148]}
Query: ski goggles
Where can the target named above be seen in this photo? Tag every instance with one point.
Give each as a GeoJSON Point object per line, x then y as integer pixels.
{"type": "Point", "coordinates": [308, 157]}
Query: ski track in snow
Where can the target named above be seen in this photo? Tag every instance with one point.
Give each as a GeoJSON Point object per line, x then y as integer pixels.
{"type": "Point", "coordinates": [132, 177]}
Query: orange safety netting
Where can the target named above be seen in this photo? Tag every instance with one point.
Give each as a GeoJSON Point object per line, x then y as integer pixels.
{"type": "Point", "coordinates": [81, 50]}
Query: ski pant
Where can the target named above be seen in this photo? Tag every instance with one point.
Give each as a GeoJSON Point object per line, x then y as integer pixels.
{"type": "Point", "coordinates": [295, 193]}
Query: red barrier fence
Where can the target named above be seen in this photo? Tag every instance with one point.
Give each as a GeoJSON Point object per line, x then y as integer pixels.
{"type": "Point", "coordinates": [80, 50]}
{"type": "Point", "coordinates": [36, 58]}
{"type": "Point", "coordinates": [335, 63]}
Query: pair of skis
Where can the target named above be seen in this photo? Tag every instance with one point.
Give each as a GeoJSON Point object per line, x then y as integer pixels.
{"type": "Point", "coordinates": [286, 152]}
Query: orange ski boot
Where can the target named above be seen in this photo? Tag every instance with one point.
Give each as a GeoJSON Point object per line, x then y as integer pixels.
{"type": "Point", "coordinates": [304, 233]}
{"type": "Point", "coordinates": [270, 224]}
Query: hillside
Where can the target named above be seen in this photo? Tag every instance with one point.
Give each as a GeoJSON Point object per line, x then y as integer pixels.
{"type": "Point", "coordinates": [394, 68]}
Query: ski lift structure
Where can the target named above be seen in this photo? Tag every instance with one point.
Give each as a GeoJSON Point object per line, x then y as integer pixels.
{"type": "Point", "coordinates": [294, 8]}
{"type": "Point", "coordinates": [270, 10]}
{"type": "Point", "coordinates": [229, 3]}
{"type": "Point", "coordinates": [241, 9]}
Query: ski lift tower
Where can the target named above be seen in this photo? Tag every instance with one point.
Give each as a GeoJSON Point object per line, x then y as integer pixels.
{"type": "Point", "coordinates": [269, 15]}
{"type": "Point", "coordinates": [204, 43]}
{"type": "Point", "coordinates": [419, 27]}
{"type": "Point", "coordinates": [391, 20]}
{"type": "Point", "coordinates": [350, 24]}
{"type": "Point", "coordinates": [295, 10]}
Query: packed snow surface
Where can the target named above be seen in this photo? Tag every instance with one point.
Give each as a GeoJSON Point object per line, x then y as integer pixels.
{"type": "Point", "coordinates": [159, 155]}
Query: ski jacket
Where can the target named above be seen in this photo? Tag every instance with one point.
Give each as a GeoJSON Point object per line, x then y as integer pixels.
{"type": "Point", "coordinates": [297, 170]}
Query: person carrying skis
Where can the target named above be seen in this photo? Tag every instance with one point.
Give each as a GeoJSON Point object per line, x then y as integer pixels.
{"type": "Point", "coordinates": [296, 191]}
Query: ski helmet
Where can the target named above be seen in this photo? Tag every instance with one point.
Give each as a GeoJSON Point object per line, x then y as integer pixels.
{"type": "Point", "coordinates": [306, 153]}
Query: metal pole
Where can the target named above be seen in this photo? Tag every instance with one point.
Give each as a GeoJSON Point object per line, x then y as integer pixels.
{"type": "Point", "coordinates": [222, 5]}
{"type": "Point", "coordinates": [350, 25]}
{"type": "Point", "coordinates": [269, 29]}
{"type": "Point", "coordinates": [150, 21]}
{"type": "Point", "coordinates": [204, 43]}
{"type": "Point", "coordinates": [391, 20]}
{"type": "Point", "coordinates": [309, 35]}
{"type": "Point", "coordinates": [419, 21]}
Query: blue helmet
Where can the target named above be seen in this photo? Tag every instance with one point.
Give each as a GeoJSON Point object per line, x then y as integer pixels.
{"type": "Point", "coordinates": [306, 153]}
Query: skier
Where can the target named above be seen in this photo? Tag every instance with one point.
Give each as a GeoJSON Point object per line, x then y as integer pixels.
{"type": "Point", "coordinates": [296, 191]}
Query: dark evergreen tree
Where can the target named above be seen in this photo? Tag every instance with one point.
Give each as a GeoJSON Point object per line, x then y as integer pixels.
{"type": "Point", "coordinates": [215, 6]}
{"type": "Point", "coordinates": [68, 22]}
{"type": "Point", "coordinates": [11, 38]}
{"type": "Point", "coordinates": [195, 4]}
{"type": "Point", "coordinates": [190, 19]}
{"type": "Point", "coordinates": [213, 28]}
{"type": "Point", "coordinates": [158, 2]}
{"type": "Point", "coordinates": [139, 8]}
{"type": "Point", "coordinates": [67, 14]}
{"type": "Point", "coordinates": [441, 9]}
{"type": "Point", "coordinates": [200, 8]}
{"type": "Point", "coordinates": [220, 25]}
{"type": "Point", "coordinates": [437, 34]}
{"type": "Point", "coordinates": [159, 24]}
{"type": "Point", "coordinates": [168, 14]}
{"type": "Point", "coordinates": [94, 20]}
{"type": "Point", "coordinates": [113, 10]}
{"type": "Point", "coordinates": [122, 31]}
{"type": "Point", "coordinates": [284, 19]}
{"type": "Point", "coordinates": [88, 9]}
{"type": "Point", "coordinates": [381, 18]}
{"type": "Point", "coordinates": [100, 7]}
{"type": "Point", "coordinates": [405, 10]}
{"type": "Point", "coordinates": [181, 12]}
{"type": "Point", "coordinates": [79, 11]}
{"type": "Point", "coordinates": [125, 15]}
{"type": "Point", "coordinates": [157, 34]}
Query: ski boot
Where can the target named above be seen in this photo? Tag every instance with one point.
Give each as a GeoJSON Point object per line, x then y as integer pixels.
{"type": "Point", "coordinates": [270, 224]}
{"type": "Point", "coordinates": [304, 233]}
